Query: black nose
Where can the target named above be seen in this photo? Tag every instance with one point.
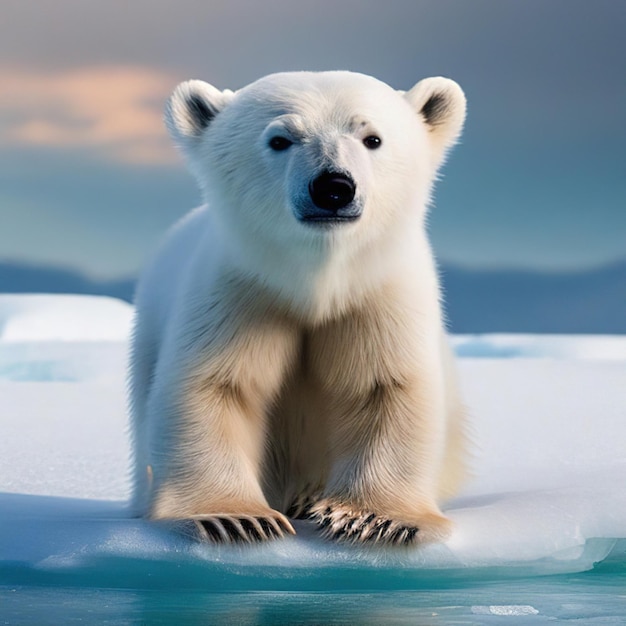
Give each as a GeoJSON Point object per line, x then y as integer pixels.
{"type": "Point", "coordinates": [332, 191]}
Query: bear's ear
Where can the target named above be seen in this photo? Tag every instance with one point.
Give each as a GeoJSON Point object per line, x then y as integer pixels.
{"type": "Point", "coordinates": [441, 103]}
{"type": "Point", "coordinates": [192, 107]}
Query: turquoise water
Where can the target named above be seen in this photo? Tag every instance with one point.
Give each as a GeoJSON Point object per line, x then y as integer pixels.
{"type": "Point", "coordinates": [166, 594]}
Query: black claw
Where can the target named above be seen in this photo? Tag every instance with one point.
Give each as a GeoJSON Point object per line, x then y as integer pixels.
{"type": "Point", "coordinates": [225, 529]}
{"type": "Point", "coordinates": [279, 526]}
{"type": "Point", "coordinates": [384, 527]}
{"type": "Point", "coordinates": [284, 526]}
{"type": "Point", "coordinates": [349, 528]}
{"type": "Point", "coordinates": [251, 530]}
{"type": "Point", "coordinates": [370, 518]}
{"type": "Point", "coordinates": [358, 528]}
{"type": "Point", "coordinates": [340, 532]}
{"type": "Point", "coordinates": [268, 528]}
{"type": "Point", "coordinates": [231, 529]}
{"type": "Point", "coordinates": [395, 536]}
{"type": "Point", "coordinates": [212, 532]}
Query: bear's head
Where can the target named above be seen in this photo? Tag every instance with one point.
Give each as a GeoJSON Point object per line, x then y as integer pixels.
{"type": "Point", "coordinates": [312, 159]}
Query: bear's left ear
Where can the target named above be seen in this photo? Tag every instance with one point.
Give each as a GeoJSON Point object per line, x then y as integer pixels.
{"type": "Point", "coordinates": [191, 108]}
{"type": "Point", "coordinates": [441, 103]}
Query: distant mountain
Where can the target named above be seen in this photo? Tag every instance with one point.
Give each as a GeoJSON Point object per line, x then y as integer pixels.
{"type": "Point", "coordinates": [476, 301]}
{"type": "Point", "coordinates": [519, 301]}
{"type": "Point", "coordinates": [22, 278]}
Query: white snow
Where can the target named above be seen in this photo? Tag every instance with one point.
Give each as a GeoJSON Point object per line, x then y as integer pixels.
{"type": "Point", "coordinates": [42, 317]}
{"type": "Point", "coordinates": [578, 347]}
{"type": "Point", "coordinates": [548, 424]}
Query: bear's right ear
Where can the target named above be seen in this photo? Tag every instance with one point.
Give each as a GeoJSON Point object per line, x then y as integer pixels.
{"type": "Point", "coordinates": [192, 107]}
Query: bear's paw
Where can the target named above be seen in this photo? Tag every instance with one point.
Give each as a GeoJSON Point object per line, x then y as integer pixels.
{"type": "Point", "coordinates": [233, 528]}
{"type": "Point", "coordinates": [346, 523]}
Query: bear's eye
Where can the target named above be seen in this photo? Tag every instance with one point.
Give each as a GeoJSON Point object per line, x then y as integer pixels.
{"type": "Point", "coordinates": [372, 142]}
{"type": "Point", "coordinates": [279, 143]}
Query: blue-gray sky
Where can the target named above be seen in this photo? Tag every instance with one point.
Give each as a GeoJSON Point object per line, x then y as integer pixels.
{"type": "Point", "coordinates": [89, 180]}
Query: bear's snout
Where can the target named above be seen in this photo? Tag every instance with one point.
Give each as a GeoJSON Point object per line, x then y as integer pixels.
{"type": "Point", "coordinates": [332, 194]}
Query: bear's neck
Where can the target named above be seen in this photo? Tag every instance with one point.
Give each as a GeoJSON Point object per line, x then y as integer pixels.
{"type": "Point", "coordinates": [318, 282]}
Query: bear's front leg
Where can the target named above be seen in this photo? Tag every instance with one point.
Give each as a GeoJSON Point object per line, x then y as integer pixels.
{"type": "Point", "coordinates": [207, 432]}
{"type": "Point", "coordinates": [387, 428]}
{"type": "Point", "coordinates": [383, 482]}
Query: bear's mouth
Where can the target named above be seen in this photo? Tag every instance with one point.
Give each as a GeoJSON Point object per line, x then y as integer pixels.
{"type": "Point", "coordinates": [327, 221]}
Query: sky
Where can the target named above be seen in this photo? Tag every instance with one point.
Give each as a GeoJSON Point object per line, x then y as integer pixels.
{"type": "Point", "coordinates": [90, 181]}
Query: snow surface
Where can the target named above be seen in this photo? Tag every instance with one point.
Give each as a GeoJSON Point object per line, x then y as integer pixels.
{"type": "Point", "coordinates": [578, 347]}
{"type": "Point", "coordinates": [42, 317]}
{"type": "Point", "coordinates": [548, 493]}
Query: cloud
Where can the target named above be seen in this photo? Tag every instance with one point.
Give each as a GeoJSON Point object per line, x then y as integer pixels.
{"type": "Point", "coordinates": [115, 112]}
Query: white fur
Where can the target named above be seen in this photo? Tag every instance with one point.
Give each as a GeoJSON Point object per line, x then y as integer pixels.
{"type": "Point", "coordinates": [280, 364]}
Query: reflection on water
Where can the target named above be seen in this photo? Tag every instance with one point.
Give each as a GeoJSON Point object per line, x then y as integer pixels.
{"type": "Point", "coordinates": [596, 597]}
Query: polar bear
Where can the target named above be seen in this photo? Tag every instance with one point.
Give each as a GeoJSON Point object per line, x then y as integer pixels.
{"type": "Point", "coordinates": [289, 357]}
